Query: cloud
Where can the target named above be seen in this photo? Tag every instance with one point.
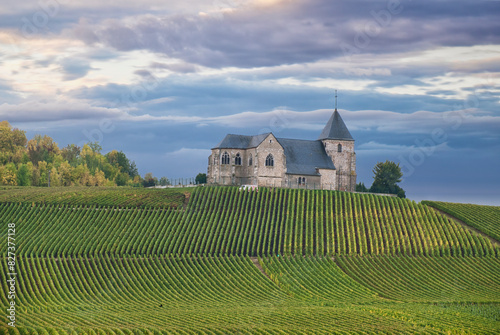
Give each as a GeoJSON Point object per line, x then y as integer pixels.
{"type": "Point", "coordinates": [74, 68]}
{"type": "Point", "coordinates": [62, 110]}
{"type": "Point", "coordinates": [470, 121]}
{"type": "Point", "coordinates": [421, 122]}
{"type": "Point", "coordinates": [58, 110]}
{"type": "Point", "coordinates": [182, 152]}
{"type": "Point", "coordinates": [374, 148]}
{"type": "Point", "coordinates": [298, 32]}
{"type": "Point", "coordinates": [179, 67]}
{"type": "Point", "coordinates": [158, 101]}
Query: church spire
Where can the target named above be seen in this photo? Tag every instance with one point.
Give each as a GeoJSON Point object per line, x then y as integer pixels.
{"type": "Point", "coordinates": [335, 128]}
{"type": "Point", "coordinates": [335, 100]}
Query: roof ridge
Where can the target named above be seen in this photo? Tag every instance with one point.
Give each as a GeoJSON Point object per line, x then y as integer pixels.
{"type": "Point", "coordinates": [295, 139]}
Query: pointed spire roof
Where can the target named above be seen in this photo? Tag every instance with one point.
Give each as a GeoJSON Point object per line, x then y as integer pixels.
{"type": "Point", "coordinates": [335, 129]}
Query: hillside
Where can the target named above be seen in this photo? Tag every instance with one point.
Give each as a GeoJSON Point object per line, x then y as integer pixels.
{"type": "Point", "coordinates": [484, 218]}
{"type": "Point", "coordinates": [101, 196]}
{"type": "Point", "coordinates": [269, 262]}
{"type": "Point", "coordinates": [226, 221]}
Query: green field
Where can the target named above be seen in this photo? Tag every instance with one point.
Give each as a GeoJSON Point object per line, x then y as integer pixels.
{"type": "Point", "coordinates": [96, 196]}
{"type": "Point", "coordinates": [483, 218]}
{"type": "Point", "coordinates": [222, 261]}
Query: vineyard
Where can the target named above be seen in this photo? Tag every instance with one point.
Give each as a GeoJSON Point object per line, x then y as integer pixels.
{"type": "Point", "coordinates": [483, 218]}
{"type": "Point", "coordinates": [223, 261]}
{"type": "Point", "coordinates": [92, 196]}
{"type": "Point", "coordinates": [427, 279]}
{"type": "Point", "coordinates": [226, 221]}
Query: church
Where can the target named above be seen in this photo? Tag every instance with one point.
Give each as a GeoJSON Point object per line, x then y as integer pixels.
{"type": "Point", "coordinates": [265, 160]}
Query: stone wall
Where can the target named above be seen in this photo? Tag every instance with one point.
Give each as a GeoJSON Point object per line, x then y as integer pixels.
{"type": "Point", "coordinates": [226, 174]}
{"type": "Point", "coordinates": [328, 179]}
{"type": "Point", "coordinates": [270, 146]}
{"type": "Point", "coordinates": [291, 180]}
{"type": "Point", "coordinates": [257, 173]}
{"type": "Point", "coordinates": [345, 163]}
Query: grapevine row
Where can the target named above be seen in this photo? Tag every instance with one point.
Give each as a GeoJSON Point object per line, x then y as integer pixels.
{"type": "Point", "coordinates": [427, 279]}
{"type": "Point", "coordinates": [100, 196]}
{"type": "Point", "coordinates": [226, 221]}
{"type": "Point", "coordinates": [484, 218]}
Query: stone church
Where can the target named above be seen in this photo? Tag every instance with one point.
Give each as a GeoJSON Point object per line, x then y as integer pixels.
{"type": "Point", "coordinates": [265, 160]}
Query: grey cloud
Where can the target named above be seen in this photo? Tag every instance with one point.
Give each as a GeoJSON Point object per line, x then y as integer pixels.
{"type": "Point", "coordinates": [54, 111]}
{"type": "Point", "coordinates": [302, 31]}
{"type": "Point", "coordinates": [74, 68]}
{"type": "Point", "coordinates": [142, 73]}
{"type": "Point", "coordinates": [176, 67]}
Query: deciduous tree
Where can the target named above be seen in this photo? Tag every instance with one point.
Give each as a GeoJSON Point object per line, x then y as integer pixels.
{"type": "Point", "coordinates": [201, 178]}
{"type": "Point", "coordinates": [386, 176]}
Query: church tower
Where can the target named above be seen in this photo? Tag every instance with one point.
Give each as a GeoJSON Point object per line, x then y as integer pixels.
{"type": "Point", "coordinates": [339, 146]}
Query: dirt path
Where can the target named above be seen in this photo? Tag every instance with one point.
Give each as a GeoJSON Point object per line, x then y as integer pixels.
{"type": "Point", "coordinates": [255, 261]}
{"type": "Point", "coordinates": [466, 226]}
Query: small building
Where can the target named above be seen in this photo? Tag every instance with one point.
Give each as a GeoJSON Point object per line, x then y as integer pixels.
{"type": "Point", "coordinates": [265, 160]}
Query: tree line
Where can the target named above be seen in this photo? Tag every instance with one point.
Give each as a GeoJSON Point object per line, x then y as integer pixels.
{"type": "Point", "coordinates": [39, 161]}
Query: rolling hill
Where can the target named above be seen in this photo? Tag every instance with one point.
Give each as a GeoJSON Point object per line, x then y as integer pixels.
{"type": "Point", "coordinates": [217, 260]}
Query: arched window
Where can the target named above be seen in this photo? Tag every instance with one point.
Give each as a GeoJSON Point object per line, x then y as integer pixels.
{"type": "Point", "coordinates": [269, 160]}
{"type": "Point", "coordinates": [299, 181]}
{"type": "Point", "coordinates": [304, 180]}
{"type": "Point", "coordinates": [237, 159]}
{"type": "Point", "coordinates": [225, 158]}
{"type": "Point", "coordinates": [250, 161]}
{"type": "Point", "coordinates": [339, 148]}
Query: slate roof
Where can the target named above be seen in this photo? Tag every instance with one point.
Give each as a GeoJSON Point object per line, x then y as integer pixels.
{"type": "Point", "coordinates": [335, 129]}
{"type": "Point", "coordinates": [303, 157]}
{"type": "Point", "coordinates": [232, 141]}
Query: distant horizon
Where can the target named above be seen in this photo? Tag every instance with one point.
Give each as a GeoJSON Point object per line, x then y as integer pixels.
{"type": "Point", "coordinates": [418, 82]}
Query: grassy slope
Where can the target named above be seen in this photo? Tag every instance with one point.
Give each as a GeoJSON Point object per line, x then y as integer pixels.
{"type": "Point", "coordinates": [96, 196]}
{"type": "Point", "coordinates": [224, 221]}
{"type": "Point", "coordinates": [227, 294]}
{"type": "Point", "coordinates": [483, 218]}
{"type": "Point", "coordinates": [114, 280]}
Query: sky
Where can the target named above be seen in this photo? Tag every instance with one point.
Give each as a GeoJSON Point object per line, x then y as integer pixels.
{"type": "Point", "coordinates": [164, 81]}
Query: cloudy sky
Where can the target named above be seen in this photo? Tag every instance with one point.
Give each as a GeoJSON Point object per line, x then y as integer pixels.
{"type": "Point", "coordinates": [164, 81]}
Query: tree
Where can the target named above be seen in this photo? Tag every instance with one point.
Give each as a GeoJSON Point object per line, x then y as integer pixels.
{"type": "Point", "coordinates": [12, 143]}
{"type": "Point", "coordinates": [137, 181]}
{"type": "Point", "coordinates": [386, 176]}
{"type": "Point", "coordinates": [55, 177]}
{"type": "Point", "coordinates": [360, 187]}
{"type": "Point", "coordinates": [70, 153]}
{"type": "Point", "coordinates": [23, 175]}
{"type": "Point", "coordinates": [95, 147]}
{"type": "Point", "coordinates": [164, 181]}
{"type": "Point", "coordinates": [133, 172]}
{"type": "Point", "coordinates": [118, 159]}
{"type": "Point", "coordinates": [99, 178]}
{"type": "Point", "coordinates": [42, 168]}
{"type": "Point", "coordinates": [65, 173]}
{"type": "Point", "coordinates": [30, 162]}
{"type": "Point", "coordinates": [201, 178]}
{"type": "Point", "coordinates": [42, 149]}
{"type": "Point", "coordinates": [121, 179]}
{"type": "Point", "coordinates": [8, 174]}
{"type": "Point", "coordinates": [149, 180]}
